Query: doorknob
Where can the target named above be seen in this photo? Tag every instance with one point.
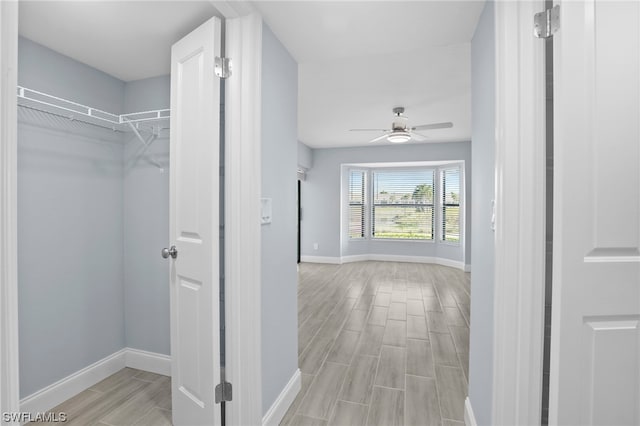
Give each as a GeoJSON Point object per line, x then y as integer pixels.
{"type": "Point", "coordinates": [173, 252]}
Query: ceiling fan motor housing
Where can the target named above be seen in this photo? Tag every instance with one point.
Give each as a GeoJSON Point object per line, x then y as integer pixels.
{"type": "Point", "coordinates": [400, 122]}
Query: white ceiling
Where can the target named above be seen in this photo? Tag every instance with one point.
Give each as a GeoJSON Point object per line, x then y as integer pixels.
{"type": "Point", "coordinates": [318, 30]}
{"type": "Point", "coordinates": [357, 60]}
{"type": "Point", "coordinates": [129, 40]}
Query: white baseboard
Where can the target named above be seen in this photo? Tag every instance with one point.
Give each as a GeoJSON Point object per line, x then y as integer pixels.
{"type": "Point", "coordinates": [448, 262]}
{"type": "Point", "coordinates": [469, 418]}
{"type": "Point", "coordinates": [148, 361]}
{"type": "Point", "coordinates": [320, 259]}
{"type": "Point", "coordinates": [58, 392]}
{"type": "Point", "coordinates": [387, 258]}
{"type": "Point", "coordinates": [282, 403]}
{"type": "Point", "coordinates": [355, 258]}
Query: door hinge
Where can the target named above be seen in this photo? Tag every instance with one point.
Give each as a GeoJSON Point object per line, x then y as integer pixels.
{"type": "Point", "coordinates": [223, 392]}
{"type": "Point", "coordinates": [546, 23]}
{"type": "Point", "coordinates": [222, 67]}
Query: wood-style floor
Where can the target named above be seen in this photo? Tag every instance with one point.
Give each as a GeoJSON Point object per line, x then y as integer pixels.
{"type": "Point", "coordinates": [382, 343]}
{"type": "Point", "coordinates": [128, 397]}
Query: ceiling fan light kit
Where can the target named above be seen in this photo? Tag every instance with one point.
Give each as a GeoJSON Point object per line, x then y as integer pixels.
{"type": "Point", "coordinates": [400, 132]}
{"type": "Point", "coordinates": [399, 136]}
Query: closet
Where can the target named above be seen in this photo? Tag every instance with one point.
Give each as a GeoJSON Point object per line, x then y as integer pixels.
{"type": "Point", "coordinates": [93, 206]}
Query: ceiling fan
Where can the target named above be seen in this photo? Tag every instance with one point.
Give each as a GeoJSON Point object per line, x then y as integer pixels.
{"type": "Point", "coordinates": [400, 132]}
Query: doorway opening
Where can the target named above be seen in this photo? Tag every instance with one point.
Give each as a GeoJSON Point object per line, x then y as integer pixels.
{"type": "Point", "coordinates": [93, 176]}
{"type": "Point", "coordinates": [385, 330]}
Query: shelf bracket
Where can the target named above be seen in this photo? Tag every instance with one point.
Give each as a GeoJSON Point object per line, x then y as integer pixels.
{"type": "Point", "coordinates": [145, 143]}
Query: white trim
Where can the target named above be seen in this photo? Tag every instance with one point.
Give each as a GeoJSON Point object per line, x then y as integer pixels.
{"type": "Point", "coordinates": [243, 110]}
{"type": "Point", "coordinates": [148, 361]}
{"type": "Point", "coordinates": [469, 417]}
{"type": "Point", "coordinates": [68, 387]}
{"type": "Point", "coordinates": [520, 216]}
{"type": "Point", "coordinates": [234, 8]}
{"type": "Point", "coordinates": [243, 174]}
{"type": "Point", "coordinates": [366, 168]}
{"type": "Point", "coordinates": [321, 259]}
{"type": "Point", "coordinates": [58, 392]}
{"type": "Point", "coordinates": [386, 258]}
{"type": "Point", "coordinates": [418, 259]}
{"type": "Point", "coordinates": [282, 403]}
{"type": "Point", "coordinates": [9, 384]}
{"type": "Point", "coordinates": [352, 258]}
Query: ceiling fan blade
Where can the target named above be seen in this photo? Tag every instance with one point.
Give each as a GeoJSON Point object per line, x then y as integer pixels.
{"type": "Point", "coordinates": [433, 126]}
{"type": "Point", "coordinates": [379, 138]}
{"type": "Point", "coordinates": [367, 130]}
{"type": "Point", "coordinates": [418, 137]}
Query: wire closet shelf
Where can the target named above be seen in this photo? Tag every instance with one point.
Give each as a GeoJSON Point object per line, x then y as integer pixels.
{"type": "Point", "coordinates": [136, 121]}
{"type": "Point", "coordinates": [148, 122]}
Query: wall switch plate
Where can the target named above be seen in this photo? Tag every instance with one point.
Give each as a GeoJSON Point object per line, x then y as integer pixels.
{"type": "Point", "coordinates": [493, 215]}
{"type": "Point", "coordinates": [315, 246]}
{"type": "Point", "coordinates": [265, 211]}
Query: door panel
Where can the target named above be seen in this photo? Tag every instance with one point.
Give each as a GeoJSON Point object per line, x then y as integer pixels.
{"type": "Point", "coordinates": [595, 359]}
{"type": "Point", "coordinates": [195, 351]}
{"type": "Point", "coordinates": [610, 343]}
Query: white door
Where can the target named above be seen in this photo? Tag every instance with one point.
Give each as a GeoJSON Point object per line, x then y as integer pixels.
{"type": "Point", "coordinates": [595, 364]}
{"type": "Point", "coordinates": [194, 226]}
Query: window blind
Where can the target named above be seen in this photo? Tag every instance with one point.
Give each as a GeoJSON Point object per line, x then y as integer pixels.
{"type": "Point", "coordinates": [403, 204]}
{"type": "Point", "coordinates": [451, 204]}
{"type": "Point", "coordinates": [356, 204]}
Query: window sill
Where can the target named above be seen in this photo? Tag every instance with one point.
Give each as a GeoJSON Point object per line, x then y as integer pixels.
{"type": "Point", "coordinates": [403, 240]}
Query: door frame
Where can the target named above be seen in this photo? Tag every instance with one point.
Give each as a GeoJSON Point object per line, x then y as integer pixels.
{"type": "Point", "coordinates": [519, 265]}
{"type": "Point", "coordinates": [243, 134]}
{"type": "Point", "coordinates": [9, 388]}
{"type": "Point", "coordinates": [520, 215]}
{"type": "Point", "coordinates": [243, 130]}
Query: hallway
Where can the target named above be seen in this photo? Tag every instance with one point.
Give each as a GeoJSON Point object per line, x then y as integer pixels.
{"type": "Point", "coordinates": [381, 343]}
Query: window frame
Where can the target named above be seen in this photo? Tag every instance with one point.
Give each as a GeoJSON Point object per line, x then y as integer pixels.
{"type": "Point", "coordinates": [365, 204]}
{"type": "Point", "coordinates": [371, 192]}
{"type": "Point", "coordinates": [368, 170]}
{"type": "Point", "coordinates": [461, 207]}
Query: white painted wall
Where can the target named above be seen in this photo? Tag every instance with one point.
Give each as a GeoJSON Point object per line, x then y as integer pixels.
{"type": "Point", "coordinates": [305, 156]}
{"type": "Point", "coordinates": [482, 241]}
{"type": "Point", "coordinates": [279, 276]}
{"type": "Point", "coordinates": [146, 225]}
{"type": "Point", "coordinates": [70, 224]}
{"type": "Point", "coordinates": [321, 200]}
{"type": "Point", "coordinates": [93, 216]}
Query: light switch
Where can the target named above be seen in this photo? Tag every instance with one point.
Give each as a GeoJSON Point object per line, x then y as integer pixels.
{"type": "Point", "coordinates": [493, 215]}
{"type": "Point", "coordinates": [265, 210]}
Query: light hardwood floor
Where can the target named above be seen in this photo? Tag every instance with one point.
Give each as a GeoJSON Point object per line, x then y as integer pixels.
{"type": "Point", "coordinates": [382, 343]}
{"type": "Point", "coordinates": [128, 397]}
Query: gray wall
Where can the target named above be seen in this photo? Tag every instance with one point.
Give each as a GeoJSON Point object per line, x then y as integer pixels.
{"type": "Point", "coordinates": [321, 200]}
{"type": "Point", "coordinates": [482, 246]}
{"type": "Point", "coordinates": [42, 69]}
{"type": "Point", "coordinates": [146, 225]}
{"type": "Point", "coordinates": [305, 156]}
{"type": "Point", "coordinates": [279, 277]}
{"type": "Point", "coordinates": [70, 264]}
{"type": "Point", "coordinates": [90, 197]}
